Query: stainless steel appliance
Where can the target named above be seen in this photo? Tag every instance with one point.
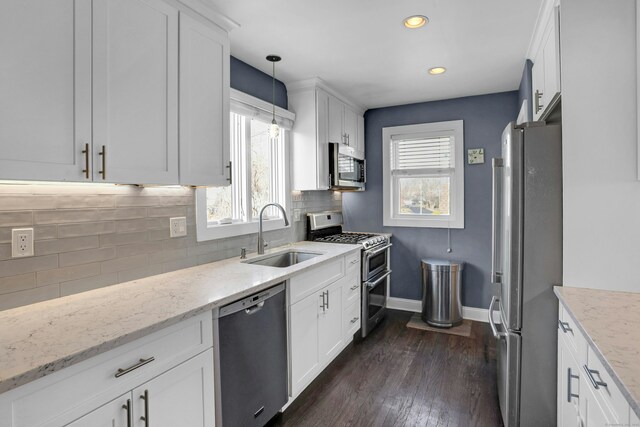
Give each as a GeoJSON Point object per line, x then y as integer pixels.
{"type": "Point", "coordinates": [345, 171]}
{"type": "Point", "coordinates": [526, 264]}
{"type": "Point", "coordinates": [376, 256]}
{"type": "Point", "coordinates": [251, 361]}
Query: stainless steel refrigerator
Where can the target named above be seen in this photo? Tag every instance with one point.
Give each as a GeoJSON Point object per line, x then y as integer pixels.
{"type": "Point", "coordinates": [526, 264]}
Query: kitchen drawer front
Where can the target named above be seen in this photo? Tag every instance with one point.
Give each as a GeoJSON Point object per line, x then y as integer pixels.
{"type": "Point", "coordinates": [353, 262]}
{"type": "Point", "coordinates": [308, 282]}
{"type": "Point", "coordinates": [351, 288]}
{"type": "Point", "coordinates": [609, 395]}
{"type": "Point", "coordinates": [351, 319]}
{"type": "Point", "coordinates": [569, 331]}
{"type": "Point", "coordinates": [65, 395]}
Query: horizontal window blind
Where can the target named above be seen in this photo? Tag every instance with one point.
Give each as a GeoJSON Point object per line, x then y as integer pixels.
{"type": "Point", "coordinates": [422, 156]}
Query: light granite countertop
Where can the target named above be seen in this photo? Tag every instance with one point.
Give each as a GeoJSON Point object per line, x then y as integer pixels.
{"type": "Point", "coordinates": [610, 321]}
{"type": "Point", "coordinates": [42, 338]}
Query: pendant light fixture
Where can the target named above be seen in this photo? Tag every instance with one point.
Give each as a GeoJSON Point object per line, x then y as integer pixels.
{"type": "Point", "coordinates": [274, 129]}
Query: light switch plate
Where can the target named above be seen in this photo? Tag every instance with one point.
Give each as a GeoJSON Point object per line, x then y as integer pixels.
{"type": "Point", "coordinates": [475, 156]}
{"type": "Point", "coordinates": [178, 226]}
{"type": "Point", "coordinates": [21, 242]}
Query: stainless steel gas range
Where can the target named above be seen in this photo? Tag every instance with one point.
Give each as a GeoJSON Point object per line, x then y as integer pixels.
{"type": "Point", "coordinates": [376, 255]}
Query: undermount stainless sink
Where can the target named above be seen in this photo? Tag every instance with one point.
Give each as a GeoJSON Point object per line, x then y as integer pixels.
{"type": "Point", "coordinates": [283, 259]}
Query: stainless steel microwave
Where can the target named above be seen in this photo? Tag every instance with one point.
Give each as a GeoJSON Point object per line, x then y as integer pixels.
{"type": "Point", "coordinates": [345, 171]}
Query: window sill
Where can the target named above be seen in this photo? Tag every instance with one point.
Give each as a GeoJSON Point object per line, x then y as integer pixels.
{"type": "Point", "coordinates": [220, 231]}
{"type": "Point", "coordinates": [424, 223]}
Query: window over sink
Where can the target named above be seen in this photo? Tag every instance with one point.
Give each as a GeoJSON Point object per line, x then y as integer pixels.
{"type": "Point", "coordinates": [258, 174]}
{"type": "Point", "coordinates": [423, 175]}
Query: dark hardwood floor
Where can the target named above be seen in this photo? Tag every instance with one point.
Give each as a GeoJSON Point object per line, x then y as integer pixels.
{"type": "Point", "coordinates": [404, 377]}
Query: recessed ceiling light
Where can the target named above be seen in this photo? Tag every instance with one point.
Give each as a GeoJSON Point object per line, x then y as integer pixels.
{"type": "Point", "coordinates": [437, 70]}
{"type": "Point", "coordinates": [415, 21]}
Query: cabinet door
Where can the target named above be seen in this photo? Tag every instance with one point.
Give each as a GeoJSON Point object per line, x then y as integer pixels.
{"type": "Point", "coordinates": [204, 104]}
{"type": "Point", "coordinates": [135, 91]}
{"type": "Point", "coordinates": [591, 414]}
{"type": "Point", "coordinates": [537, 85]}
{"type": "Point", "coordinates": [113, 414]}
{"type": "Point", "coordinates": [568, 386]}
{"type": "Point", "coordinates": [45, 87]}
{"type": "Point", "coordinates": [331, 335]}
{"type": "Point", "coordinates": [360, 139]}
{"type": "Point", "coordinates": [350, 127]}
{"type": "Point", "coordinates": [336, 114]}
{"type": "Point", "coordinates": [551, 60]}
{"type": "Point", "coordinates": [322, 140]}
{"type": "Point", "coordinates": [182, 396]}
{"type": "Point", "coordinates": [305, 355]}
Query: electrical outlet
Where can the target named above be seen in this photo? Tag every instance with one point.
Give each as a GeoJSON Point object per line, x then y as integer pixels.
{"type": "Point", "coordinates": [178, 226]}
{"type": "Point", "coordinates": [296, 215]}
{"type": "Point", "coordinates": [21, 242]}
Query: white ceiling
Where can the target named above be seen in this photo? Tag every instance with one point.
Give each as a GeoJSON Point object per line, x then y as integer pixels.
{"type": "Point", "coordinates": [361, 48]}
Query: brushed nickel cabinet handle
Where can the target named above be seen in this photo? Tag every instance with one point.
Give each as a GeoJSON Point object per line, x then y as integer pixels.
{"type": "Point", "coordinates": [564, 326]}
{"type": "Point", "coordinates": [145, 417]}
{"type": "Point", "coordinates": [354, 320]}
{"type": "Point", "coordinates": [323, 306]}
{"type": "Point", "coordinates": [327, 291]}
{"type": "Point", "coordinates": [103, 154]}
{"type": "Point", "coordinates": [537, 97]}
{"type": "Point", "coordinates": [127, 407]}
{"type": "Point", "coordinates": [86, 161]}
{"type": "Point", "coordinates": [141, 363]}
{"type": "Point", "coordinates": [230, 167]}
{"type": "Point", "coordinates": [570, 376]}
{"type": "Point", "coordinates": [590, 372]}
{"type": "Point", "coordinates": [355, 261]}
{"type": "Point", "coordinates": [354, 287]}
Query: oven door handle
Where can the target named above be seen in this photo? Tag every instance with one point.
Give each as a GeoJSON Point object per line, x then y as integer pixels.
{"type": "Point", "coordinates": [373, 284]}
{"type": "Point", "coordinates": [377, 251]}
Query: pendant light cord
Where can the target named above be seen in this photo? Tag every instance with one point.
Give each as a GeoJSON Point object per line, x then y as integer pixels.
{"type": "Point", "coordinates": [273, 90]}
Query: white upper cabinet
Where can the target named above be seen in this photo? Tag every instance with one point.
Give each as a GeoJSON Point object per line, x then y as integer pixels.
{"type": "Point", "coordinates": [204, 103]}
{"type": "Point", "coordinates": [135, 90]}
{"type": "Point", "coordinates": [546, 67]}
{"type": "Point", "coordinates": [321, 117]}
{"type": "Point", "coordinates": [90, 92]}
{"type": "Point", "coordinates": [45, 87]}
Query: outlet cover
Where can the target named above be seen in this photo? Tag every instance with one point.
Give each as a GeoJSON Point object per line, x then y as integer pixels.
{"type": "Point", "coordinates": [475, 156]}
{"type": "Point", "coordinates": [297, 215]}
{"type": "Point", "coordinates": [178, 226]}
{"type": "Point", "coordinates": [21, 242]}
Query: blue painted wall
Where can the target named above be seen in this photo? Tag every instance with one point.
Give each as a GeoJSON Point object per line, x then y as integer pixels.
{"type": "Point", "coordinates": [248, 79]}
{"type": "Point", "coordinates": [485, 117]}
{"type": "Point", "coordinates": [524, 92]}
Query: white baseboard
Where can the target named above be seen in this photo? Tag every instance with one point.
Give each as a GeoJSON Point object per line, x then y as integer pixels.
{"type": "Point", "coordinates": [415, 306]}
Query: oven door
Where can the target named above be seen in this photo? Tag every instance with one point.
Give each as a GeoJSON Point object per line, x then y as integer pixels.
{"type": "Point", "coordinates": [375, 261]}
{"type": "Point", "coordinates": [374, 301]}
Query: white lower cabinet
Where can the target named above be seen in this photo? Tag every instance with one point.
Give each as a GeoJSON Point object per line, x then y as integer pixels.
{"type": "Point", "coordinates": [321, 324]}
{"type": "Point", "coordinates": [587, 395]}
{"type": "Point", "coordinates": [113, 414]}
{"type": "Point", "coordinates": [165, 377]}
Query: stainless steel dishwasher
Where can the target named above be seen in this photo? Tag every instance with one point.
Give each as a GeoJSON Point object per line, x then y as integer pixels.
{"type": "Point", "coordinates": [251, 362]}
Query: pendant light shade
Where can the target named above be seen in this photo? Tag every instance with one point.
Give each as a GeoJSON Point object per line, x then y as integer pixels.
{"type": "Point", "coordinates": [274, 129]}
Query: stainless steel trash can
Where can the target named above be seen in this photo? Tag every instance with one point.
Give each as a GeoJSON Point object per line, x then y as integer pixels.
{"type": "Point", "coordinates": [441, 282]}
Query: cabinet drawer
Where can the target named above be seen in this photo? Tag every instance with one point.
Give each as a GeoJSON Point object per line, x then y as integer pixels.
{"type": "Point", "coordinates": [353, 262]}
{"type": "Point", "coordinates": [306, 283]}
{"type": "Point", "coordinates": [351, 319]}
{"type": "Point", "coordinates": [351, 288]}
{"type": "Point", "coordinates": [74, 391]}
{"type": "Point", "coordinates": [568, 330]}
{"type": "Point", "coordinates": [609, 395]}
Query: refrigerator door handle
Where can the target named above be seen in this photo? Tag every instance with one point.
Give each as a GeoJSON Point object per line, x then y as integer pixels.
{"type": "Point", "coordinates": [497, 165]}
{"type": "Point", "coordinates": [494, 328]}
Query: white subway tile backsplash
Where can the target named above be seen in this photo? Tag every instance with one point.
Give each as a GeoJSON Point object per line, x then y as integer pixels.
{"type": "Point", "coordinates": [88, 237]}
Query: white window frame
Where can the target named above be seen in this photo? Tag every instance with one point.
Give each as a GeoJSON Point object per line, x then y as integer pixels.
{"type": "Point", "coordinates": [453, 128]}
{"type": "Point", "coordinates": [250, 106]}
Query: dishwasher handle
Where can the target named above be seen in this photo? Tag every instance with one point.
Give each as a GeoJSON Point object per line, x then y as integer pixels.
{"type": "Point", "coordinates": [255, 308]}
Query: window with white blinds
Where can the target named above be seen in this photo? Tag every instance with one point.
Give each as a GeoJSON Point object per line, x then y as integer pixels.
{"type": "Point", "coordinates": [423, 176]}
